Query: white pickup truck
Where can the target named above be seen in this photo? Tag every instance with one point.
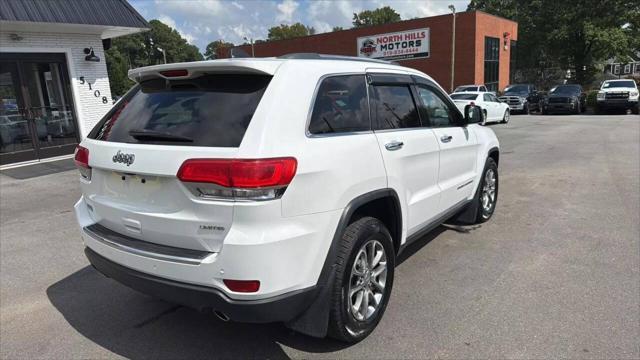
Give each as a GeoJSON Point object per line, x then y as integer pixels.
{"type": "Point", "coordinates": [618, 94]}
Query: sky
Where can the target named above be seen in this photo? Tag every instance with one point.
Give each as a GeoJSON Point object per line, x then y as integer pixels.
{"type": "Point", "coordinates": [203, 21]}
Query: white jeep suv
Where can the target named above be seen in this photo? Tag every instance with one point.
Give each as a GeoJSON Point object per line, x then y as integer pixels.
{"type": "Point", "coordinates": [278, 189]}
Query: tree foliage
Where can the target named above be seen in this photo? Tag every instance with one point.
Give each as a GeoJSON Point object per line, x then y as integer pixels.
{"type": "Point", "coordinates": [213, 47]}
{"type": "Point", "coordinates": [141, 49]}
{"type": "Point", "coordinates": [379, 16]}
{"type": "Point", "coordinates": [284, 31]}
{"type": "Point", "coordinates": [575, 35]}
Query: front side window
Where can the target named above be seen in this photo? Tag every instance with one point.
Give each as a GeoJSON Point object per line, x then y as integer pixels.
{"type": "Point", "coordinates": [340, 106]}
{"type": "Point", "coordinates": [487, 98]}
{"type": "Point", "coordinates": [435, 109]}
{"type": "Point", "coordinates": [393, 107]}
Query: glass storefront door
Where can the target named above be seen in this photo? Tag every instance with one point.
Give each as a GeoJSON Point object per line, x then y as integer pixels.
{"type": "Point", "coordinates": [36, 112]}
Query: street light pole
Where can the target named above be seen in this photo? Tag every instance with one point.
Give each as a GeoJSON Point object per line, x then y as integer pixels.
{"type": "Point", "coordinates": [164, 54]}
{"type": "Point", "coordinates": [453, 44]}
{"type": "Point", "coordinates": [253, 53]}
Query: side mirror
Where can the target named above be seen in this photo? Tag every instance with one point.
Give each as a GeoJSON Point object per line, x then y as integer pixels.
{"type": "Point", "coordinates": [471, 115]}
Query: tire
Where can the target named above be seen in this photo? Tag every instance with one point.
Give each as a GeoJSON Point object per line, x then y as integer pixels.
{"type": "Point", "coordinates": [485, 213]}
{"type": "Point", "coordinates": [578, 109]}
{"type": "Point", "coordinates": [598, 110]}
{"type": "Point", "coordinates": [505, 118]}
{"type": "Point", "coordinates": [484, 118]}
{"type": "Point", "coordinates": [345, 323]}
{"type": "Point", "coordinates": [635, 110]}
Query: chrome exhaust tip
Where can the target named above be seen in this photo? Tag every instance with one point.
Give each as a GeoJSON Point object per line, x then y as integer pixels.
{"type": "Point", "coordinates": [222, 316]}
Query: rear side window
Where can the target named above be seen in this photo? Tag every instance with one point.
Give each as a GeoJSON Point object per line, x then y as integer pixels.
{"type": "Point", "coordinates": [211, 110]}
{"type": "Point", "coordinates": [394, 107]}
{"type": "Point", "coordinates": [340, 106]}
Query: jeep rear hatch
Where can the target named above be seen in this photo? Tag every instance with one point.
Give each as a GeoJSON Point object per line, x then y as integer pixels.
{"type": "Point", "coordinates": [134, 154]}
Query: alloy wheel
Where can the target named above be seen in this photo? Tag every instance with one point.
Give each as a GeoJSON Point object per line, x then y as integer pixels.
{"type": "Point", "coordinates": [489, 190]}
{"type": "Point", "coordinates": [368, 280]}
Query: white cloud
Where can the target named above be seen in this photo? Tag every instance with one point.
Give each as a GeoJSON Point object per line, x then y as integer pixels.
{"type": "Point", "coordinates": [170, 22]}
{"type": "Point", "coordinates": [286, 9]}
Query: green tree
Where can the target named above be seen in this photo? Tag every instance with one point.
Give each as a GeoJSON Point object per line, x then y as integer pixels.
{"type": "Point", "coordinates": [574, 35]}
{"type": "Point", "coordinates": [379, 16]}
{"type": "Point", "coordinates": [337, 28]}
{"type": "Point", "coordinates": [211, 51]}
{"type": "Point", "coordinates": [284, 31]}
{"type": "Point", "coordinates": [141, 49]}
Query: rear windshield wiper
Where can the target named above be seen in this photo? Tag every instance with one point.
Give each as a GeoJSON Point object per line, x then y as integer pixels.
{"type": "Point", "coordinates": [157, 135]}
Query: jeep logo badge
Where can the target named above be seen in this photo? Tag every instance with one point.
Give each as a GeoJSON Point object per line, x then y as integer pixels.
{"type": "Point", "coordinates": [123, 158]}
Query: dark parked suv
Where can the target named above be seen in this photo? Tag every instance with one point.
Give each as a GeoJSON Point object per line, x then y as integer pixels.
{"type": "Point", "coordinates": [565, 99]}
{"type": "Point", "coordinates": [521, 98]}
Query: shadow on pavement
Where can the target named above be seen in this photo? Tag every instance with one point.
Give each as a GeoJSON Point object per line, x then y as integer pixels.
{"type": "Point", "coordinates": [134, 325]}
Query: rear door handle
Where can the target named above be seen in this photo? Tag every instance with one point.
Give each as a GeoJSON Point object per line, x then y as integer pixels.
{"type": "Point", "coordinates": [394, 145]}
{"type": "Point", "coordinates": [446, 138]}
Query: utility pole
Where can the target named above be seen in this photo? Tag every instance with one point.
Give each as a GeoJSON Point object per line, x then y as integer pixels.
{"type": "Point", "coordinates": [453, 44]}
{"type": "Point", "coordinates": [253, 53]}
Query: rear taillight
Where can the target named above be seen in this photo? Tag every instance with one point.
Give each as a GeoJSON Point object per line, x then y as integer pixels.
{"type": "Point", "coordinates": [240, 179]}
{"type": "Point", "coordinates": [81, 159]}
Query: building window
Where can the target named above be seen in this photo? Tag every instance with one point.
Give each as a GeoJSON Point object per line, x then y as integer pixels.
{"type": "Point", "coordinates": [637, 68]}
{"type": "Point", "coordinates": [512, 61]}
{"type": "Point", "coordinates": [616, 69]}
{"type": "Point", "coordinates": [627, 69]}
{"type": "Point", "coordinates": [491, 62]}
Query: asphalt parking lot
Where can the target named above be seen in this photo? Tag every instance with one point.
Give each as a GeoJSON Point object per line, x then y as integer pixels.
{"type": "Point", "coordinates": [556, 273]}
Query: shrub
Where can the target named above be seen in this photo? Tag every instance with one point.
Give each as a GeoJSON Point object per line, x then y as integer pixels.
{"type": "Point", "coordinates": [591, 98]}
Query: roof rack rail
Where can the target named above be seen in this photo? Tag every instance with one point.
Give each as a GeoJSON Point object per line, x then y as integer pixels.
{"type": "Point", "coordinates": [316, 56]}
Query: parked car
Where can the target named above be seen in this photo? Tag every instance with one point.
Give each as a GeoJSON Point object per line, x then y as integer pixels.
{"type": "Point", "coordinates": [465, 88]}
{"type": "Point", "coordinates": [238, 187]}
{"type": "Point", "coordinates": [565, 99]}
{"type": "Point", "coordinates": [492, 109]}
{"type": "Point", "coordinates": [522, 98]}
{"type": "Point", "coordinates": [618, 94]}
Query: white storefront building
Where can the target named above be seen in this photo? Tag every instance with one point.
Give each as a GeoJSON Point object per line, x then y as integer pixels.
{"type": "Point", "coordinates": [54, 84]}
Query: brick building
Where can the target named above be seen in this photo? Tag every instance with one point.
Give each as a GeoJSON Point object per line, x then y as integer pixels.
{"type": "Point", "coordinates": [484, 48]}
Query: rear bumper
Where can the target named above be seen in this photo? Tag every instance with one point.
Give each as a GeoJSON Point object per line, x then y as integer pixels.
{"type": "Point", "coordinates": [284, 307]}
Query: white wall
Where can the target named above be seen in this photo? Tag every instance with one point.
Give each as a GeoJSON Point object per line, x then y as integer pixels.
{"type": "Point", "coordinates": [89, 108]}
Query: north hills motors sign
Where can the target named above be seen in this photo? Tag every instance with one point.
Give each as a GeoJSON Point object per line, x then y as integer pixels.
{"type": "Point", "coordinates": [401, 45]}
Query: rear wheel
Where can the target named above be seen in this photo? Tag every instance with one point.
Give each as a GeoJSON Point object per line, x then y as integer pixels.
{"type": "Point", "coordinates": [505, 118]}
{"type": "Point", "coordinates": [364, 278]}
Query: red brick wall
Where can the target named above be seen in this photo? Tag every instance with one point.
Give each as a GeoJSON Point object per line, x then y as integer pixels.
{"type": "Point", "coordinates": [493, 26]}
{"type": "Point", "coordinates": [471, 28]}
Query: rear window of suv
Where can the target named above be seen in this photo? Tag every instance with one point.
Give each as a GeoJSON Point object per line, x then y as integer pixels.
{"type": "Point", "coordinates": [211, 110]}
